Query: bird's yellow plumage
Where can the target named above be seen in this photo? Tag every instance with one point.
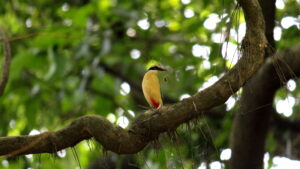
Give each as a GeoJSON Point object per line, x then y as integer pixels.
{"type": "Point", "coordinates": [151, 89]}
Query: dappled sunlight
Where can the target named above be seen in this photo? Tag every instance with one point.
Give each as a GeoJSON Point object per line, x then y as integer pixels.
{"type": "Point", "coordinates": [225, 154]}
{"type": "Point", "coordinates": [143, 24]}
{"type": "Point", "coordinates": [216, 165]}
{"type": "Point", "coordinates": [284, 163]}
{"type": "Point", "coordinates": [218, 37]}
{"type": "Point", "coordinates": [279, 4]}
{"type": "Point", "coordinates": [34, 132]}
{"type": "Point", "coordinates": [131, 113]}
{"type": "Point", "coordinates": [28, 23]}
{"type": "Point", "coordinates": [291, 85]}
{"type": "Point", "coordinates": [5, 163]}
{"type": "Point", "coordinates": [277, 33]}
{"type": "Point", "coordinates": [123, 121]}
{"type": "Point", "coordinates": [184, 96]}
{"type": "Point", "coordinates": [201, 51]}
{"type": "Point", "coordinates": [285, 106]}
{"type": "Point", "coordinates": [125, 88]}
{"type": "Point", "coordinates": [189, 67]}
{"type": "Point", "coordinates": [230, 103]}
{"type": "Point", "coordinates": [111, 117]}
{"type": "Point", "coordinates": [211, 22]}
{"type": "Point", "coordinates": [206, 64]}
{"type": "Point", "coordinates": [160, 23]}
{"type": "Point", "coordinates": [289, 21]}
{"type": "Point", "coordinates": [188, 13]}
{"type": "Point", "coordinates": [62, 153]}
{"type": "Point", "coordinates": [131, 32]}
{"type": "Point", "coordinates": [185, 2]}
{"type": "Point", "coordinates": [209, 82]}
{"type": "Point", "coordinates": [241, 32]}
{"type": "Point", "coordinates": [202, 166]}
{"type": "Point", "coordinates": [230, 53]}
{"type": "Point", "coordinates": [65, 7]}
{"type": "Point", "coordinates": [135, 54]}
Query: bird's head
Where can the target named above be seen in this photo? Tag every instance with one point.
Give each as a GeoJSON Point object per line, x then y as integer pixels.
{"type": "Point", "coordinates": [156, 68]}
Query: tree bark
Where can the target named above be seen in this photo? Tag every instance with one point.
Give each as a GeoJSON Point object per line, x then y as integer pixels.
{"type": "Point", "coordinates": [251, 123]}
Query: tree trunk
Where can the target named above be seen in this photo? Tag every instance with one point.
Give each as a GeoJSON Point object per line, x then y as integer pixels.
{"type": "Point", "coordinates": [251, 122]}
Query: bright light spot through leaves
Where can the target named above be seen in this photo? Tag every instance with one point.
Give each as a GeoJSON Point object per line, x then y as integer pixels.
{"type": "Point", "coordinates": [225, 154]}
{"type": "Point", "coordinates": [283, 162]}
{"type": "Point", "coordinates": [28, 23]}
{"type": "Point", "coordinates": [5, 163]}
{"type": "Point", "coordinates": [131, 32]}
{"type": "Point", "coordinates": [184, 96]}
{"type": "Point", "coordinates": [217, 37]}
{"type": "Point", "coordinates": [206, 64]}
{"type": "Point", "coordinates": [211, 22]}
{"type": "Point", "coordinates": [189, 67]}
{"type": "Point", "coordinates": [230, 52]}
{"type": "Point", "coordinates": [65, 7]}
{"type": "Point", "coordinates": [202, 166]}
{"type": "Point", "coordinates": [111, 117]}
{"type": "Point", "coordinates": [160, 23]}
{"type": "Point", "coordinates": [125, 88]}
{"type": "Point", "coordinates": [285, 106]}
{"type": "Point", "coordinates": [277, 33]}
{"type": "Point", "coordinates": [185, 1]}
{"type": "Point", "coordinates": [288, 21]}
{"type": "Point", "coordinates": [135, 54]}
{"type": "Point", "coordinates": [291, 85]}
{"type": "Point", "coordinates": [241, 32]}
{"type": "Point", "coordinates": [188, 13]}
{"type": "Point", "coordinates": [230, 103]}
{"type": "Point", "coordinates": [131, 113]}
{"type": "Point", "coordinates": [62, 153]}
{"type": "Point", "coordinates": [34, 132]}
{"type": "Point", "coordinates": [143, 24]}
{"type": "Point", "coordinates": [123, 121]}
{"type": "Point", "coordinates": [279, 4]}
{"type": "Point", "coordinates": [201, 51]}
{"type": "Point", "coordinates": [209, 82]}
{"type": "Point", "coordinates": [216, 165]}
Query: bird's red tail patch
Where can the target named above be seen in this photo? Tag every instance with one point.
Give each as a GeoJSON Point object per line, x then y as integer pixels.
{"type": "Point", "coordinates": [155, 104]}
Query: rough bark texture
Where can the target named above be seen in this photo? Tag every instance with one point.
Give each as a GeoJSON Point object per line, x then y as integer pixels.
{"type": "Point", "coordinates": [151, 124]}
{"type": "Point", "coordinates": [6, 61]}
{"type": "Point", "coordinates": [251, 123]}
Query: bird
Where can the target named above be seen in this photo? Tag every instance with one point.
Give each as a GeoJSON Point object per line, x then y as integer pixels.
{"type": "Point", "coordinates": [151, 87]}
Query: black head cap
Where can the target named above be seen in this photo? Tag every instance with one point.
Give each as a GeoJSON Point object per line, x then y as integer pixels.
{"type": "Point", "coordinates": [156, 68]}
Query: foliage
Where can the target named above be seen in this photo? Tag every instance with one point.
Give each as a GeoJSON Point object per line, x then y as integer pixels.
{"type": "Point", "coordinates": [72, 58]}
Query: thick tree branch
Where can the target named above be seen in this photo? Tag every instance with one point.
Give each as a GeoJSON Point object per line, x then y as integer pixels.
{"type": "Point", "coordinates": [252, 118]}
{"type": "Point", "coordinates": [6, 62]}
{"type": "Point", "coordinates": [151, 124]}
{"type": "Point", "coordinates": [256, 108]}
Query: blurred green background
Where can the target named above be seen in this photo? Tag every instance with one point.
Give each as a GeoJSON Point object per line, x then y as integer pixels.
{"type": "Point", "coordinates": [72, 58]}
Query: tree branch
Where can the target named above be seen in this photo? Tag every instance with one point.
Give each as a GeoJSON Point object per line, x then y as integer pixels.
{"type": "Point", "coordinates": [151, 124]}
{"type": "Point", "coordinates": [6, 63]}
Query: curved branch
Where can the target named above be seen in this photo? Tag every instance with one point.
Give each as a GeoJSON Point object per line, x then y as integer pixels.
{"type": "Point", "coordinates": [151, 124]}
{"type": "Point", "coordinates": [6, 63]}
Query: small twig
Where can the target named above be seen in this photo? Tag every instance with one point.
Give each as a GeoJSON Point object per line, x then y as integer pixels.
{"type": "Point", "coordinates": [6, 63]}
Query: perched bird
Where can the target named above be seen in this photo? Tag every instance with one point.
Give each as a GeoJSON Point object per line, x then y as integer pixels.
{"type": "Point", "coordinates": [151, 87]}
